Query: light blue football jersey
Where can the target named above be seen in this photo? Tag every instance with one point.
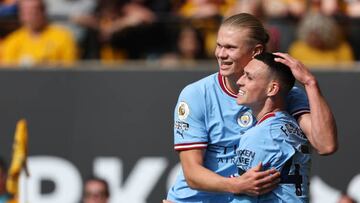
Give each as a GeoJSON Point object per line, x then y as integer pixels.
{"type": "Point", "coordinates": [207, 117]}
{"type": "Point", "coordinates": [278, 142]}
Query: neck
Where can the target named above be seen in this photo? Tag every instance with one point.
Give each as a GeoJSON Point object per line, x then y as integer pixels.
{"type": "Point", "coordinates": [37, 30]}
{"type": "Point", "coordinates": [231, 85]}
{"type": "Point", "coordinates": [269, 106]}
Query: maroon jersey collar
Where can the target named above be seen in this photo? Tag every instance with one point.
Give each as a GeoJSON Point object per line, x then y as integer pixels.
{"type": "Point", "coordinates": [223, 86]}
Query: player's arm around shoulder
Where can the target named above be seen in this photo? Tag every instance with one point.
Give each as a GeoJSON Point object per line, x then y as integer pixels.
{"type": "Point", "coordinates": [253, 182]}
{"type": "Point", "coordinates": [197, 176]}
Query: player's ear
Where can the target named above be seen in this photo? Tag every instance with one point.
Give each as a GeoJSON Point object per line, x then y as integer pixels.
{"type": "Point", "coordinates": [273, 89]}
{"type": "Point", "coordinates": [257, 50]}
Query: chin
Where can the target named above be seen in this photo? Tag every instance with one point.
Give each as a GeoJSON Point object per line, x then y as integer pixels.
{"type": "Point", "coordinates": [226, 73]}
{"type": "Point", "coordinates": [240, 102]}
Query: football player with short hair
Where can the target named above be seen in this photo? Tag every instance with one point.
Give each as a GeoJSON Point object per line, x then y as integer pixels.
{"type": "Point", "coordinates": [276, 140]}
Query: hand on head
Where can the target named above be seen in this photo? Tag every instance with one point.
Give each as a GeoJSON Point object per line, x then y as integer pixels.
{"type": "Point", "coordinates": [298, 69]}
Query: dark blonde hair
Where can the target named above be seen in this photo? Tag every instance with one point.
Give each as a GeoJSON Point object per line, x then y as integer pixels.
{"type": "Point", "coordinates": [257, 33]}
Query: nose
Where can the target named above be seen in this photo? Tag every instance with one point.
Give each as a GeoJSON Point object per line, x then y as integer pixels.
{"type": "Point", "coordinates": [240, 81]}
{"type": "Point", "coordinates": [221, 52]}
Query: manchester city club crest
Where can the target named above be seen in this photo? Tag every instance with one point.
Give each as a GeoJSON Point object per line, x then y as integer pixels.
{"type": "Point", "coordinates": [183, 110]}
{"type": "Point", "coordinates": [245, 119]}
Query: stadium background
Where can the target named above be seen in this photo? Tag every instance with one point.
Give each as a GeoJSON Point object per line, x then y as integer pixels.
{"type": "Point", "coordinates": [90, 121]}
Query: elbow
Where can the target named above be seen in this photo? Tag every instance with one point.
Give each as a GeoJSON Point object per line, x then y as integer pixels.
{"type": "Point", "coordinates": [330, 145]}
{"type": "Point", "coordinates": [192, 183]}
{"type": "Point", "coordinates": [328, 150]}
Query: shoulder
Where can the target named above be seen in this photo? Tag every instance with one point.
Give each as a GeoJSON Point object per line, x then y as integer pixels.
{"type": "Point", "coordinates": [285, 127]}
{"type": "Point", "coordinates": [19, 33]}
{"type": "Point", "coordinates": [282, 118]}
{"type": "Point", "coordinates": [297, 92]}
{"type": "Point", "coordinates": [345, 45]}
{"type": "Point", "coordinates": [297, 102]}
{"type": "Point", "coordinates": [277, 123]}
{"type": "Point", "coordinates": [201, 86]}
{"type": "Point", "coordinates": [298, 48]}
{"type": "Point", "coordinates": [58, 30]}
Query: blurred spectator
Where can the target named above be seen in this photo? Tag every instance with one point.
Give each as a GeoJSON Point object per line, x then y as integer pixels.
{"type": "Point", "coordinates": [4, 196]}
{"type": "Point", "coordinates": [200, 9]}
{"type": "Point", "coordinates": [96, 190]}
{"type": "Point", "coordinates": [149, 36]}
{"type": "Point", "coordinates": [100, 28]}
{"type": "Point", "coordinates": [320, 42]}
{"type": "Point", "coordinates": [37, 42]}
{"type": "Point", "coordinates": [119, 30]}
{"type": "Point", "coordinates": [294, 9]}
{"type": "Point", "coordinates": [253, 7]}
{"type": "Point", "coordinates": [328, 7]}
{"type": "Point", "coordinates": [205, 16]}
{"type": "Point", "coordinates": [8, 8]}
{"type": "Point", "coordinates": [298, 8]}
{"type": "Point", "coordinates": [189, 48]}
{"type": "Point", "coordinates": [352, 8]}
{"type": "Point", "coordinates": [61, 12]}
{"type": "Point", "coordinates": [283, 16]}
{"type": "Point", "coordinates": [275, 8]}
{"type": "Point", "coordinates": [352, 11]}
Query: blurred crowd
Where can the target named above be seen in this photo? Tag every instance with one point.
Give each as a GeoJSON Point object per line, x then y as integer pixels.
{"type": "Point", "coordinates": [60, 33]}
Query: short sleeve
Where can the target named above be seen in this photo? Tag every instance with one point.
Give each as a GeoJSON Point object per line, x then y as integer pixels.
{"type": "Point", "coordinates": [189, 120]}
{"type": "Point", "coordinates": [297, 102]}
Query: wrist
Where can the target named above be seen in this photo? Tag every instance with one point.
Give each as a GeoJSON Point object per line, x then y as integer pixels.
{"type": "Point", "coordinates": [311, 81]}
{"type": "Point", "coordinates": [233, 185]}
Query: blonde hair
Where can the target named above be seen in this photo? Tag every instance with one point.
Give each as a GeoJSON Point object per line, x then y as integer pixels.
{"type": "Point", "coordinates": [257, 32]}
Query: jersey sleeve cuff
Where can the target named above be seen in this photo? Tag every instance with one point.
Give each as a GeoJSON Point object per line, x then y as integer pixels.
{"type": "Point", "coordinates": [188, 146]}
{"type": "Point", "coordinates": [296, 114]}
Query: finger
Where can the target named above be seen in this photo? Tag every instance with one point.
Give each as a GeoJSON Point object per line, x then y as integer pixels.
{"type": "Point", "coordinates": [266, 190]}
{"type": "Point", "coordinates": [284, 61]}
{"type": "Point", "coordinates": [254, 192]}
{"type": "Point", "coordinates": [268, 174]}
{"type": "Point", "coordinates": [256, 168]}
{"type": "Point", "coordinates": [280, 54]}
{"type": "Point", "coordinates": [284, 55]}
{"type": "Point", "coordinates": [270, 180]}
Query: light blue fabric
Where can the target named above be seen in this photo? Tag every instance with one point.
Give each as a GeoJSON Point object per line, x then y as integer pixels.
{"type": "Point", "coordinates": [275, 141]}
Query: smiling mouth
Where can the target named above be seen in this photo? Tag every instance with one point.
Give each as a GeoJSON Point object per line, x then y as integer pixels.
{"type": "Point", "coordinates": [241, 92]}
{"type": "Point", "coordinates": [224, 63]}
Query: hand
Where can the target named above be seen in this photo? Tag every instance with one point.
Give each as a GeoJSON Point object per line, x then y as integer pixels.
{"type": "Point", "coordinates": [255, 182]}
{"type": "Point", "coordinates": [166, 201]}
{"type": "Point", "coordinates": [298, 69]}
